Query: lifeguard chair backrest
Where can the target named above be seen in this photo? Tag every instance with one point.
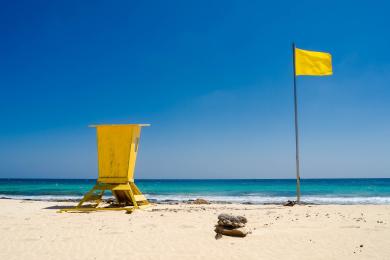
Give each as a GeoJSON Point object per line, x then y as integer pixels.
{"type": "Point", "coordinates": [117, 152]}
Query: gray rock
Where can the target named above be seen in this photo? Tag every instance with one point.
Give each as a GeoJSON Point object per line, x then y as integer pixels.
{"type": "Point", "coordinates": [290, 203]}
{"type": "Point", "coordinates": [228, 223]}
{"type": "Point", "coordinates": [200, 201]}
{"type": "Point", "coordinates": [231, 221]}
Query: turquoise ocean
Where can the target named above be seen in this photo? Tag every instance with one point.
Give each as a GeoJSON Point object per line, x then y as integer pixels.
{"type": "Point", "coordinates": [256, 191]}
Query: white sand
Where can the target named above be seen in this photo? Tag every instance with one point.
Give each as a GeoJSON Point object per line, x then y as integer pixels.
{"type": "Point", "coordinates": [34, 230]}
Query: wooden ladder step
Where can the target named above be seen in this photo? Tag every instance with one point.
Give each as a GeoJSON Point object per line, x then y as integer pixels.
{"type": "Point", "coordinates": [139, 198]}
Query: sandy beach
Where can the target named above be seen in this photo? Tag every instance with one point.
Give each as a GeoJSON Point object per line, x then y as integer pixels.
{"type": "Point", "coordinates": [35, 230]}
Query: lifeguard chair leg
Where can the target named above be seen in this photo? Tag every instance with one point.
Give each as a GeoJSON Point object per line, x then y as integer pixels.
{"type": "Point", "coordinates": [139, 197]}
{"type": "Point", "coordinates": [132, 198]}
{"type": "Point", "coordinates": [90, 196]}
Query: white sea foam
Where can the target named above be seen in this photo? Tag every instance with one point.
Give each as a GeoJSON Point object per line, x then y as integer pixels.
{"type": "Point", "coordinates": [40, 197]}
{"type": "Point", "coordinates": [254, 199]}
{"type": "Point", "coordinates": [275, 199]}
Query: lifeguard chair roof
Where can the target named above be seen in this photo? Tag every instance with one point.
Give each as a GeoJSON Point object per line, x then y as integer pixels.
{"type": "Point", "coordinates": [119, 125]}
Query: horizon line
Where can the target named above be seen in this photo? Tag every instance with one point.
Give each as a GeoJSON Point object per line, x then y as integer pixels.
{"type": "Point", "coordinates": [141, 179]}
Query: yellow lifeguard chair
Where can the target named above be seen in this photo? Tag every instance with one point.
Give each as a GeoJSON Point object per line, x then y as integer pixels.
{"type": "Point", "coordinates": [117, 147]}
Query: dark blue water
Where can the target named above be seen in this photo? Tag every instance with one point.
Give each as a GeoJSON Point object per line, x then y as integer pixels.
{"type": "Point", "coordinates": [323, 191]}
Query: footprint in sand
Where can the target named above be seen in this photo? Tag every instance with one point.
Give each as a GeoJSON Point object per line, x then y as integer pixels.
{"type": "Point", "coordinates": [186, 226]}
{"type": "Point", "coordinates": [114, 233]}
{"type": "Point", "coordinates": [350, 227]}
{"type": "Point", "coordinates": [150, 226]}
{"type": "Point", "coordinates": [31, 239]}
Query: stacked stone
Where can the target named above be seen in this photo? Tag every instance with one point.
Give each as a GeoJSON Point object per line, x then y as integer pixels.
{"type": "Point", "coordinates": [230, 225]}
{"type": "Point", "coordinates": [200, 201]}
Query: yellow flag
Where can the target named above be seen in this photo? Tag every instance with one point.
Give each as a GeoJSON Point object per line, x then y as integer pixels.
{"type": "Point", "coordinates": [312, 63]}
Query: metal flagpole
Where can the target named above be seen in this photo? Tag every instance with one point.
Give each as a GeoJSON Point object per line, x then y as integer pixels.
{"type": "Point", "coordinates": [296, 129]}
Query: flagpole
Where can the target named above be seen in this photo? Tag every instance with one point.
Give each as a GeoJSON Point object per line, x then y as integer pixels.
{"type": "Point", "coordinates": [296, 129]}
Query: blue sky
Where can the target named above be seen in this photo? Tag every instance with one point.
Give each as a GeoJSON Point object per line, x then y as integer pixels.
{"type": "Point", "coordinates": [214, 78]}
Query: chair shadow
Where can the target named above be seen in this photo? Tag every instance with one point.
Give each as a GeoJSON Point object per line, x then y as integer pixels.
{"type": "Point", "coordinates": [59, 207]}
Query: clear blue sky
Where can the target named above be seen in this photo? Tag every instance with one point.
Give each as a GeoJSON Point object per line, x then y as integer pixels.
{"type": "Point", "coordinates": [214, 78]}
